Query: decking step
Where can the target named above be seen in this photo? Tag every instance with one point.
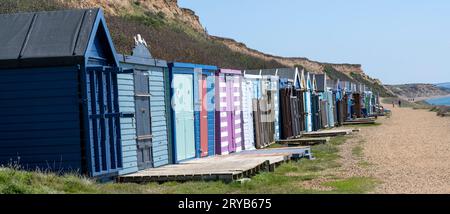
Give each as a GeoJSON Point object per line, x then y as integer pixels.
{"type": "Point", "coordinates": [331, 133]}
{"type": "Point", "coordinates": [359, 122]}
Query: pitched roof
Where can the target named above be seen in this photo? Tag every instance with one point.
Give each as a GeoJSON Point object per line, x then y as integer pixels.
{"type": "Point", "coordinates": [253, 72]}
{"type": "Point", "coordinates": [321, 81]}
{"type": "Point", "coordinates": [41, 35]}
{"type": "Point", "coordinates": [268, 72]}
{"type": "Point", "coordinates": [287, 73]}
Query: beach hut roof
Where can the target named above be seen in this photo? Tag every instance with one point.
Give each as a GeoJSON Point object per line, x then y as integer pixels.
{"type": "Point", "coordinates": [287, 73]}
{"type": "Point", "coordinates": [253, 72]}
{"type": "Point", "coordinates": [321, 82]}
{"type": "Point", "coordinates": [303, 80]}
{"type": "Point", "coordinates": [193, 66]}
{"type": "Point", "coordinates": [55, 37]}
{"type": "Point", "coordinates": [309, 85]}
{"type": "Point", "coordinates": [314, 82]}
{"type": "Point", "coordinates": [269, 72]}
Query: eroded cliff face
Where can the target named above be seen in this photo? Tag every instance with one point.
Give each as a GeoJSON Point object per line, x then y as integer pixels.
{"type": "Point", "coordinates": [169, 8]}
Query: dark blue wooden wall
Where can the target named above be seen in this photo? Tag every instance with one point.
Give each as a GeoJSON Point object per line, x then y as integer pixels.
{"type": "Point", "coordinates": [40, 118]}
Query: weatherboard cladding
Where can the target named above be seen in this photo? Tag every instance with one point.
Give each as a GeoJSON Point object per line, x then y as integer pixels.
{"type": "Point", "coordinates": [40, 124]}
{"type": "Point", "coordinates": [128, 125]}
{"type": "Point", "coordinates": [159, 118]}
{"type": "Point", "coordinates": [141, 61]}
{"type": "Point", "coordinates": [44, 124]}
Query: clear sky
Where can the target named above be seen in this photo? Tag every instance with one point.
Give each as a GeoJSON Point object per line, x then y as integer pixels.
{"type": "Point", "coordinates": [397, 41]}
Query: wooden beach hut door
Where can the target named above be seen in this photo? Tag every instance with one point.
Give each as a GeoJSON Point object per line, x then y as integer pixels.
{"type": "Point", "coordinates": [301, 109]}
{"type": "Point", "coordinates": [308, 113]}
{"type": "Point", "coordinates": [203, 116]}
{"type": "Point", "coordinates": [183, 102]}
{"type": "Point", "coordinates": [357, 105]}
{"type": "Point", "coordinates": [287, 124]}
{"type": "Point", "coordinates": [144, 137]}
{"type": "Point", "coordinates": [296, 117]}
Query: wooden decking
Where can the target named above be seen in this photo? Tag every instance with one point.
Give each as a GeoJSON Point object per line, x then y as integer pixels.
{"type": "Point", "coordinates": [359, 122]}
{"type": "Point", "coordinates": [226, 168]}
{"type": "Point", "coordinates": [328, 133]}
{"type": "Point", "coordinates": [305, 141]}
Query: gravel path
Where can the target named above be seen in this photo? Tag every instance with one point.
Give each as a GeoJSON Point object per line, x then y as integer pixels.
{"type": "Point", "coordinates": [410, 152]}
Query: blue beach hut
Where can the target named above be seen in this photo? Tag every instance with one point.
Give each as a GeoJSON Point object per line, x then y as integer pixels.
{"type": "Point", "coordinates": [321, 85]}
{"type": "Point", "coordinates": [291, 101]}
{"type": "Point", "coordinates": [308, 101]}
{"type": "Point", "coordinates": [193, 111]}
{"type": "Point", "coordinates": [58, 93]}
{"type": "Point", "coordinates": [143, 94]}
{"type": "Point", "coordinates": [330, 97]}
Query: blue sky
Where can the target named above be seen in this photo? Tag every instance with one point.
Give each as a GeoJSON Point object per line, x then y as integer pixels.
{"type": "Point", "coordinates": [397, 41]}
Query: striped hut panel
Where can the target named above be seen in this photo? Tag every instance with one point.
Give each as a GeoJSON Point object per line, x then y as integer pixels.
{"type": "Point", "coordinates": [222, 123]}
{"type": "Point", "coordinates": [237, 108]}
{"type": "Point", "coordinates": [230, 112]}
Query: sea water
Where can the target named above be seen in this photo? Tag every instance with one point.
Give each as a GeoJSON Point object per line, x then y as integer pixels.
{"type": "Point", "coordinates": [443, 101]}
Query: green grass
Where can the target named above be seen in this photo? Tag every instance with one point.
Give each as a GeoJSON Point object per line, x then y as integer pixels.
{"type": "Point", "coordinates": [355, 185]}
{"type": "Point", "coordinates": [364, 164]}
{"type": "Point", "coordinates": [287, 179]}
{"type": "Point", "coordinates": [275, 145]}
{"type": "Point", "coordinates": [357, 151]}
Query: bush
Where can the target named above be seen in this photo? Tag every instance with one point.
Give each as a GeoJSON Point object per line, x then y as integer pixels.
{"type": "Point", "coordinates": [15, 6]}
{"type": "Point", "coordinates": [177, 42]}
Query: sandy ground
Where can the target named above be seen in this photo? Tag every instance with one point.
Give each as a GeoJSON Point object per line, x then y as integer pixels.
{"type": "Point", "coordinates": [410, 152]}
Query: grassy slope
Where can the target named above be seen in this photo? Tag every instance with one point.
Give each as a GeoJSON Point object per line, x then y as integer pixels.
{"type": "Point", "coordinates": [373, 85]}
{"type": "Point", "coordinates": [377, 88]}
{"type": "Point", "coordinates": [287, 179]}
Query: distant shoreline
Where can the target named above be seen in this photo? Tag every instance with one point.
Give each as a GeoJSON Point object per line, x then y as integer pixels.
{"type": "Point", "coordinates": [428, 98]}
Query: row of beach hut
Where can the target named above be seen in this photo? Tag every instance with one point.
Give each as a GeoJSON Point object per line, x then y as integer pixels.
{"type": "Point", "coordinates": [69, 102]}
